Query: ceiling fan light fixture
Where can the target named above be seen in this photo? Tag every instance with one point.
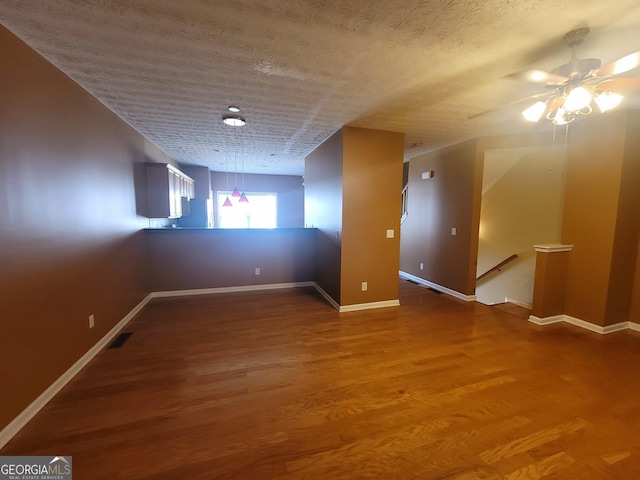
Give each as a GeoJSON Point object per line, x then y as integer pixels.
{"type": "Point", "coordinates": [608, 100]}
{"type": "Point", "coordinates": [562, 117]}
{"type": "Point", "coordinates": [534, 112]}
{"type": "Point", "coordinates": [577, 99]}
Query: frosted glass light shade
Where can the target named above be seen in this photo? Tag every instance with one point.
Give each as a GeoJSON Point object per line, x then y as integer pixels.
{"type": "Point", "coordinates": [577, 99]}
{"type": "Point", "coordinates": [607, 101]}
{"type": "Point", "coordinates": [534, 112]}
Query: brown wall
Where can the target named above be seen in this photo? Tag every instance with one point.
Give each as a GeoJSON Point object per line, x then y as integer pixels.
{"type": "Point", "coordinates": [323, 210]}
{"type": "Point", "coordinates": [288, 187]}
{"type": "Point", "coordinates": [627, 231]}
{"type": "Point", "coordinates": [600, 217]}
{"type": "Point", "coordinates": [212, 258]}
{"type": "Point", "coordinates": [371, 190]}
{"type": "Point", "coordinates": [450, 199]}
{"type": "Point", "coordinates": [70, 235]}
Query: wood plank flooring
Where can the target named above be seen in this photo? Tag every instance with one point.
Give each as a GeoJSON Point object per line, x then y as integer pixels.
{"type": "Point", "coordinates": [278, 385]}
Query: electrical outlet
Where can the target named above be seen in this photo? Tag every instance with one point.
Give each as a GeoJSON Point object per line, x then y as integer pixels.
{"type": "Point", "coordinates": [92, 321]}
{"type": "Point", "coordinates": [421, 266]}
{"type": "Point", "coordinates": [257, 270]}
{"type": "Point", "coordinates": [364, 286]}
{"type": "Point", "coordinates": [454, 231]}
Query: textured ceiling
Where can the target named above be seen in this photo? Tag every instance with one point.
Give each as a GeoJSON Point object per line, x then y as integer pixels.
{"type": "Point", "coordinates": [301, 70]}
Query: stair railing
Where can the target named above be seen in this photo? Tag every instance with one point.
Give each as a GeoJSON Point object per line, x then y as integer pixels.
{"type": "Point", "coordinates": [497, 267]}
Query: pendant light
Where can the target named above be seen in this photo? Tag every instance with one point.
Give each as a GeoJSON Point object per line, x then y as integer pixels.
{"type": "Point", "coordinates": [236, 192]}
{"type": "Point", "coordinates": [227, 201]}
{"type": "Point", "coordinates": [233, 121]}
{"type": "Point", "coordinates": [243, 197]}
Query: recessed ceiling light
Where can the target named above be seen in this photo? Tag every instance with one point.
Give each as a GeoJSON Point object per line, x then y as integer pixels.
{"type": "Point", "coordinates": [233, 109]}
{"type": "Point", "coordinates": [233, 120]}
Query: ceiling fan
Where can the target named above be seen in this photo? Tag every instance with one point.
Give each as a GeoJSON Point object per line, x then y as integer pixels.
{"type": "Point", "coordinates": [578, 86]}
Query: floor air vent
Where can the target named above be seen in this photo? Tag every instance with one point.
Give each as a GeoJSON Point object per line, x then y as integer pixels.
{"type": "Point", "coordinates": [120, 340]}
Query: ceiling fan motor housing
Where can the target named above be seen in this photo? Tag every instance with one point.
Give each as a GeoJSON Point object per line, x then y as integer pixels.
{"type": "Point", "coordinates": [576, 37]}
{"type": "Point", "coordinates": [577, 67]}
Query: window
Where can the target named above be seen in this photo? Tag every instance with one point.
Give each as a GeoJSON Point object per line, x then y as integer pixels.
{"type": "Point", "coordinates": [405, 203]}
{"type": "Point", "coordinates": [259, 212]}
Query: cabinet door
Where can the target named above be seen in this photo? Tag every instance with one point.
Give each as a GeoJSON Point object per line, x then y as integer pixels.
{"type": "Point", "coordinates": [167, 190]}
{"type": "Point", "coordinates": [175, 203]}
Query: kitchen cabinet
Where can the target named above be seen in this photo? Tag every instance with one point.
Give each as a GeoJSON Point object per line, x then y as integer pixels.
{"type": "Point", "coordinates": [168, 191]}
{"type": "Point", "coordinates": [202, 178]}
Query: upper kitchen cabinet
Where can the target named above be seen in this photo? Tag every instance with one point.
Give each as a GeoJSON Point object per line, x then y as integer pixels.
{"type": "Point", "coordinates": [168, 191]}
{"type": "Point", "coordinates": [202, 177]}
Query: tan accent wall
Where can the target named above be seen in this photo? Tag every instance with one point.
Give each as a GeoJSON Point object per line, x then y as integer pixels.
{"type": "Point", "coordinates": [600, 218]}
{"type": "Point", "coordinates": [451, 199]}
{"type": "Point", "coordinates": [371, 190]}
{"type": "Point", "coordinates": [323, 210]}
{"type": "Point", "coordinates": [353, 183]}
{"type": "Point", "coordinates": [522, 200]}
{"type": "Point", "coordinates": [288, 187]}
{"type": "Point", "coordinates": [70, 235]}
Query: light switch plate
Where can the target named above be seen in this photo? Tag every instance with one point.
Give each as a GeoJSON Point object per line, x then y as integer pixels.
{"type": "Point", "coordinates": [391, 233]}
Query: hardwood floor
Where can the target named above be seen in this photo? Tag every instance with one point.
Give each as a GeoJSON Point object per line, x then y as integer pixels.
{"type": "Point", "coordinates": [278, 385]}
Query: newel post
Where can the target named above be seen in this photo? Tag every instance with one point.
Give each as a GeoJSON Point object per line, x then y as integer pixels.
{"type": "Point", "coordinates": [550, 282]}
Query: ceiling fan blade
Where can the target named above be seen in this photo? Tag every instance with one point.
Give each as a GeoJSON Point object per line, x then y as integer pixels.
{"type": "Point", "coordinates": [538, 76]}
{"type": "Point", "coordinates": [624, 64]}
{"type": "Point", "coordinates": [516, 102]}
{"type": "Point", "coordinates": [624, 84]}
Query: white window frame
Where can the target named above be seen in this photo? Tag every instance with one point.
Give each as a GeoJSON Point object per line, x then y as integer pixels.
{"type": "Point", "coordinates": [223, 194]}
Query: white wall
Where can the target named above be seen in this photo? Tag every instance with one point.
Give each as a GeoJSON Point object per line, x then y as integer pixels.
{"type": "Point", "coordinates": [521, 207]}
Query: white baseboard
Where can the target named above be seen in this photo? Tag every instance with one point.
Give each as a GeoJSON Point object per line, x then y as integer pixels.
{"type": "Point", "coordinates": [526, 305]}
{"type": "Point", "coordinates": [617, 327]}
{"type": "Point", "coordinates": [28, 413]}
{"type": "Point", "coordinates": [355, 307]}
{"type": "Point", "coordinates": [366, 306]}
{"type": "Point", "coordinates": [546, 320]}
{"type": "Point", "coordinates": [435, 286]}
{"type": "Point", "coordinates": [327, 297]}
{"type": "Point", "coordinates": [241, 288]}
